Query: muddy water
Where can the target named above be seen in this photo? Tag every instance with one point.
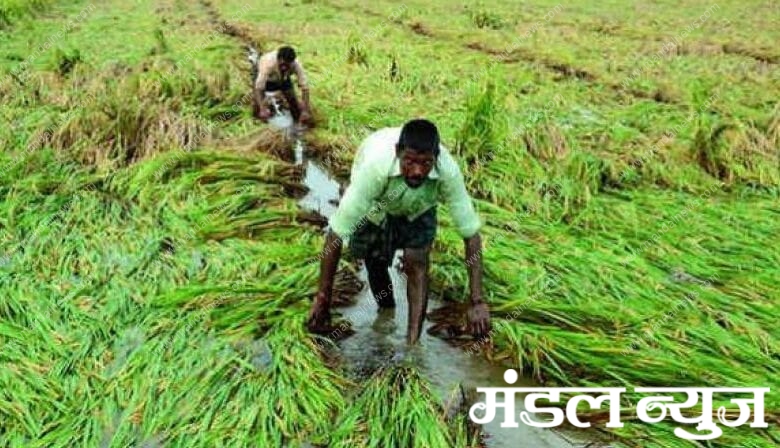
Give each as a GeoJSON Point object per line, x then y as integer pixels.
{"type": "Point", "coordinates": [380, 339]}
{"type": "Point", "coordinates": [323, 189]}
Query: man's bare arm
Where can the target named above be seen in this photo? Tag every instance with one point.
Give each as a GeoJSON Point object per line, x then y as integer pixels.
{"type": "Point", "coordinates": [305, 98]}
{"type": "Point", "coordinates": [479, 314]}
{"type": "Point", "coordinates": [473, 247]}
{"type": "Point", "coordinates": [259, 86]}
{"type": "Point", "coordinates": [319, 315]}
{"type": "Point", "coordinates": [330, 256]}
{"type": "Point", "coordinates": [303, 83]}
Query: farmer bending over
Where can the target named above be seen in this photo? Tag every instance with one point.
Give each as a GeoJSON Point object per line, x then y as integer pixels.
{"type": "Point", "coordinates": [398, 177]}
{"type": "Point", "coordinates": [273, 74]}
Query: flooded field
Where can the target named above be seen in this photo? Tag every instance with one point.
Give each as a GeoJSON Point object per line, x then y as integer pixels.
{"type": "Point", "coordinates": [376, 338]}
{"type": "Point", "coordinates": [159, 246]}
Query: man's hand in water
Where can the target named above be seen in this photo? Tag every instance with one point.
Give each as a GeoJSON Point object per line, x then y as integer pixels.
{"type": "Point", "coordinates": [264, 114]}
{"type": "Point", "coordinates": [305, 117]}
{"type": "Point", "coordinates": [479, 314]}
{"type": "Point", "coordinates": [260, 109]}
{"type": "Point", "coordinates": [319, 316]}
{"type": "Point", "coordinates": [479, 319]}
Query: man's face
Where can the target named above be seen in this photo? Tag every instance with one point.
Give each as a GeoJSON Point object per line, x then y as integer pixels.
{"type": "Point", "coordinates": [415, 166]}
{"type": "Point", "coordinates": [284, 67]}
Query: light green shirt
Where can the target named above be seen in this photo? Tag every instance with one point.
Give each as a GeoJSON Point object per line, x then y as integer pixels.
{"type": "Point", "coordinates": [377, 188]}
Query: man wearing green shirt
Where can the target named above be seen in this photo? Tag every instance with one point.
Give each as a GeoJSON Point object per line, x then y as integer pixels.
{"type": "Point", "coordinates": [398, 177]}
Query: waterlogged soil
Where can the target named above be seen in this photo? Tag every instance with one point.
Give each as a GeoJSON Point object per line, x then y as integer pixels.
{"type": "Point", "coordinates": [377, 339]}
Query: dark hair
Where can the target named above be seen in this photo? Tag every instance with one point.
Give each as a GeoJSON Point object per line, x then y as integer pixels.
{"type": "Point", "coordinates": [420, 135]}
{"type": "Point", "coordinates": [287, 54]}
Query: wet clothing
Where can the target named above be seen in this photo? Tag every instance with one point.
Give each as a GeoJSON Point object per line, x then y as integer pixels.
{"type": "Point", "coordinates": [377, 242]}
{"type": "Point", "coordinates": [269, 77]}
{"type": "Point", "coordinates": [378, 194]}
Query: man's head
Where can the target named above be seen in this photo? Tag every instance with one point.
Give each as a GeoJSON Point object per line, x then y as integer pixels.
{"type": "Point", "coordinates": [417, 150]}
{"type": "Point", "coordinates": [286, 56]}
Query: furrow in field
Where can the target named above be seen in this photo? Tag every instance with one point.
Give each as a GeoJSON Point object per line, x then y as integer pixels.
{"type": "Point", "coordinates": [520, 55]}
{"type": "Point", "coordinates": [235, 29]}
{"type": "Point", "coordinates": [556, 67]}
{"type": "Point", "coordinates": [699, 44]}
{"type": "Point", "coordinates": [751, 53]}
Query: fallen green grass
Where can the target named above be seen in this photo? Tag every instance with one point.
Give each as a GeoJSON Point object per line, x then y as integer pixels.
{"type": "Point", "coordinates": [394, 409]}
{"type": "Point", "coordinates": [115, 334]}
{"type": "Point", "coordinates": [156, 280]}
{"type": "Point", "coordinates": [12, 11]}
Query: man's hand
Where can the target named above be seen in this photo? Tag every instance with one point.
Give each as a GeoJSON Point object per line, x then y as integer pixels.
{"type": "Point", "coordinates": [264, 114]}
{"type": "Point", "coordinates": [319, 316]}
{"type": "Point", "coordinates": [260, 109]}
{"type": "Point", "coordinates": [479, 315]}
{"type": "Point", "coordinates": [479, 320]}
{"type": "Point", "coordinates": [305, 117]}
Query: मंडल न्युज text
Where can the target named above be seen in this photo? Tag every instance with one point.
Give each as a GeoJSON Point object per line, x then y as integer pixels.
{"type": "Point", "coordinates": [662, 401]}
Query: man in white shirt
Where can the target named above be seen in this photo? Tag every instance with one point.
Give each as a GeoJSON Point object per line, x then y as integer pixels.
{"type": "Point", "coordinates": [273, 74]}
{"type": "Point", "coordinates": [399, 176]}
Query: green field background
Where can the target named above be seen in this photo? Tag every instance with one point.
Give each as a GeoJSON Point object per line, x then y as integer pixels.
{"type": "Point", "coordinates": [156, 269]}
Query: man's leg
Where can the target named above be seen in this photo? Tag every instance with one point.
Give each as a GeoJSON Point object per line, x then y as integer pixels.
{"type": "Point", "coordinates": [416, 238]}
{"type": "Point", "coordinates": [380, 282]}
{"type": "Point", "coordinates": [416, 270]}
{"type": "Point", "coordinates": [368, 243]}
{"type": "Point", "coordinates": [292, 101]}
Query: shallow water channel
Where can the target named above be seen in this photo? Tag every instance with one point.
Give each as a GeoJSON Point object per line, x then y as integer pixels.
{"type": "Point", "coordinates": [380, 339]}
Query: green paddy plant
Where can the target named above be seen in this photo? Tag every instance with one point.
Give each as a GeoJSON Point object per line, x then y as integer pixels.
{"type": "Point", "coordinates": [394, 72]}
{"type": "Point", "coordinates": [161, 42]}
{"type": "Point", "coordinates": [5, 17]}
{"type": "Point", "coordinates": [109, 125]}
{"type": "Point", "coordinates": [738, 152]}
{"type": "Point", "coordinates": [156, 268]}
{"type": "Point", "coordinates": [546, 141]}
{"type": "Point", "coordinates": [157, 360]}
{"type": "Point", "coordinates": [66, 60]}
{"type": "Point", "coordinates": [117, 132]}
{"type": "Point", "coordinates": [397, 408]}
{"type": "Point", "coordinates": [13, 10]}
{"type": "Point", "coordinates": [223, 195]}
{"type": "Point", "coordinates": [357, 53]}
{"type": "Point", "coordinates": [484, 128]}
{"type": "Point", "coordinates": [580, 177]}
{"type": "Point", "coordinates": [485, 18]}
